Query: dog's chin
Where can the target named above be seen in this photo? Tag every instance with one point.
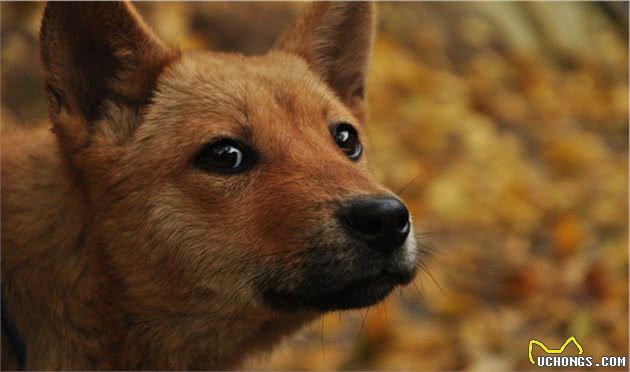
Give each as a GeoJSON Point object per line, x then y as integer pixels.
{"type": "Point", "coordinates": [357, 294]}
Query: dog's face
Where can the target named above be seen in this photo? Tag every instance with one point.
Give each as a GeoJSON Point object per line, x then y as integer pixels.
{"type": "Point", "coordinates": [223, 175]}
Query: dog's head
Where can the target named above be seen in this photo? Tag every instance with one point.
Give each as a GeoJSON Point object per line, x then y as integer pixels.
{"type": "Point", "coordinates": [218, 175]}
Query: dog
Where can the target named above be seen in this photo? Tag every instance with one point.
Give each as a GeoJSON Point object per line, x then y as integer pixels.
{"type": "Point", "coordinates": [188, 210]}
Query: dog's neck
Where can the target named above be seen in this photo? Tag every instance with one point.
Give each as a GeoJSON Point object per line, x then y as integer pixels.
{"type": "Point", "coordinates": [205, 332]}
{"type": "Point", "coordinates": [204, 342]}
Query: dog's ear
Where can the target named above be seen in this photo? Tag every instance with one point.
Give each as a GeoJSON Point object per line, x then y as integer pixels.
{"type": "Point", "coordinates": [97, 56]}
{"type": "Point", "coordinates": [335, 38]}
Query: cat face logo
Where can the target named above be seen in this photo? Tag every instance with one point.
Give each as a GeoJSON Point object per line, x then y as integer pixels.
{"type": "Point", "coordinates": [553, 351]}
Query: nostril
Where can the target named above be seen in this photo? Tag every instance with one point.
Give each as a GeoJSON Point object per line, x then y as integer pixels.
{"type": "Point", "coordinates": [404, 227]}
{"type": "Point", "coordinates": [403, 219]}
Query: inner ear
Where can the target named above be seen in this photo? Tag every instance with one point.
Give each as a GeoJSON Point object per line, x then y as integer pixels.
{"type": "Point", "coordinates": [97, 66]}
{"type": "Point", "coordinates": [95, 53]}
{"type": "Point", "coordinates": [335, 39]}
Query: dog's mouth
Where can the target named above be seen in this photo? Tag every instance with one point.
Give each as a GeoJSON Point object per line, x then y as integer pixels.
{"type": "Point", "coordinates": [357, 294]}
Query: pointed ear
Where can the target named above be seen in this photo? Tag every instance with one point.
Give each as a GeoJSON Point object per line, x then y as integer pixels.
{"type": "Point", "coordinates": [335, 38]}
{"type": "Point", "coordinates": [96, 56]}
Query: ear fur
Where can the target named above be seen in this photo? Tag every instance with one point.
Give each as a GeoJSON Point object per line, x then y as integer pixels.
{"type": "Point", "coordinates": [95, 55]}
{"type": "Point", "coordinates": [335, 38]}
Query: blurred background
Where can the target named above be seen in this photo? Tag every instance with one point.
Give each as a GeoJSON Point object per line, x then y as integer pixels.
{"type": "Point", "coordinates": [504, 126]}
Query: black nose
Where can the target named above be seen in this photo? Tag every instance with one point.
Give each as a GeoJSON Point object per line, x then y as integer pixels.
{"type": "Point", "coordinates": [381, 221]}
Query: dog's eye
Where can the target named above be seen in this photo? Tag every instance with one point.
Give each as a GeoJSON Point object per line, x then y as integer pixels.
{"type": "Point", "coordinates": [347, 139]}
{"type": "Point", "coordinates": [224, 156]}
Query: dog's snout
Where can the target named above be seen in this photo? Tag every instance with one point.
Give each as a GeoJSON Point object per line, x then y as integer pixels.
{"type": "Point", "coordinates": [381, 221]}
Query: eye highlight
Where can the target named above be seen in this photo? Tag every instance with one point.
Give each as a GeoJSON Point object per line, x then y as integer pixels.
{"type": "Point", "coordinates": [225, 156]}
{"type": "Point", "coordinates": [347, 139]}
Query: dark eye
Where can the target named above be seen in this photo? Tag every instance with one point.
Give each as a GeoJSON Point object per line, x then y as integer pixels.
{"type": "Point", "coordinates": [225, 156]}
{"type": "Point", "coordinates": [347, 139]}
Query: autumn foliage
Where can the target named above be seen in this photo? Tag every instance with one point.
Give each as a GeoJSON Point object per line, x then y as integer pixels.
{"type": "Point", "coordinates": [504, 126]}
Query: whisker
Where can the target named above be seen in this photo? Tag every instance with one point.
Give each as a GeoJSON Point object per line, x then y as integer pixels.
{"type": "Point", "coordinates": [419, 290]}
{"type": "Point", "coordinates": [322, 338]}
{"type": "Point", "coordinates": [400, 192]}
{"type": "Point", "coordinates": [415, 285]}
{"type": "Point", "coordinates": [430, 233]}
{"type": "Point", "coordinates": [426, 270]}
{"type": "Point", "coordinates": [362, 324]}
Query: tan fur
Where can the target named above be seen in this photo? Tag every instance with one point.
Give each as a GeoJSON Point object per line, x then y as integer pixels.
{"type": "Point", "coordinates": [335, 39]}
{"type": "Point", "coordinates": [115, 253]}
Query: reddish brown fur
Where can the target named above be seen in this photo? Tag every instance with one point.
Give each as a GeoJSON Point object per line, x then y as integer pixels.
{"type": "Point", "coordinates": [115, 254]}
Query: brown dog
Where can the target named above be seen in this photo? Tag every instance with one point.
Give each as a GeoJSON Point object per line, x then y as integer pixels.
{"type": "Point", "coordinates": [191, 209]}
